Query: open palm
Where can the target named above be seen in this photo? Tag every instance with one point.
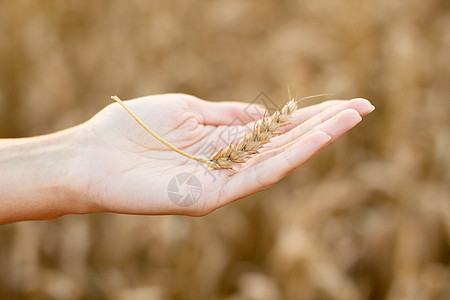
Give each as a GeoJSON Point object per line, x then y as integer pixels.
{"type": "Point", "coordinates": [129, 171]}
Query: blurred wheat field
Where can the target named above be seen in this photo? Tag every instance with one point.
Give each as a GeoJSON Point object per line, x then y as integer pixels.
{"type": "Point", "coordinates": [368, 218]}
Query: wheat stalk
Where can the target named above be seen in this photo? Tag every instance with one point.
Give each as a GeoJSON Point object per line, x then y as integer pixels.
{"type": "Point", "coordinates": [240, 151]}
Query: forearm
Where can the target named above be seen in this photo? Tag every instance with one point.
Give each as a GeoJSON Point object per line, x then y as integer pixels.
{"type": "Point", "coordinates": [36, 177]}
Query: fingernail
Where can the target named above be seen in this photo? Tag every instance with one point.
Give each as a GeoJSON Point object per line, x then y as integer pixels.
{"type": "Point", "coordinates": [328, 137]}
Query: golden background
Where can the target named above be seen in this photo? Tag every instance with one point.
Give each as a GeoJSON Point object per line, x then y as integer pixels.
{"type": "Point", "coordinates": [369, 218]}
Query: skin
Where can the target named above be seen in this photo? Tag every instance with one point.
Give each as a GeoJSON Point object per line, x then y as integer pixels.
{"type": "Point", "coordinates": [111, 164]}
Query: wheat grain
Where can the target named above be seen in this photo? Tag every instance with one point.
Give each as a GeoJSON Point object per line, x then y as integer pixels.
{"type": "Point", "coordinates": [238, 152]}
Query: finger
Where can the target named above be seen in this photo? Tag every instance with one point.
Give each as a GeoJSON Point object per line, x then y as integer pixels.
{"type": "Point", "coordinates": [311, 116]}
{"type": "Point", "coordinates": [334, 127]}
{"type": "Point", "coordinates": [229, 113]}
{"type": "Point", "coordinates": [271, 166]}
{"type": "Point", "coordinates": [339, 124]}
{"type": "Point", "coordinates": [361, 106]}
{"type": "Point", "coordinates": [307, 118]}
{"type": "Point", "coordinates": [304, 113]}
{"type": "Point", "coordinates": [317, 114]}
{"type": "Point", "coordinates": [263, 174]}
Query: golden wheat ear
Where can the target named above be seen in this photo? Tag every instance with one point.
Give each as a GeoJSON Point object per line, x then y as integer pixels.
{"type": "Point", "coordinates": [238, 152]}
{"type": "Point", "coordinates": [247, 147]}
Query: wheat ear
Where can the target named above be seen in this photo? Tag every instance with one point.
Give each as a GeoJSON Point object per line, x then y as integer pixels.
{"type": "Point", "coordinates": [238, 152]}
{"type": "Point", "coordinates": [262, 132]}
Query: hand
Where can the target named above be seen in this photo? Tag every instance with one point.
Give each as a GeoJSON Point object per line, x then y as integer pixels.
{"type": "Point", "coordinates": [126, 170]}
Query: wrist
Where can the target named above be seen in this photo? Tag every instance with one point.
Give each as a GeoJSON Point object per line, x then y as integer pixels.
{"type": "Point", "coordinates": [40, 177]}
